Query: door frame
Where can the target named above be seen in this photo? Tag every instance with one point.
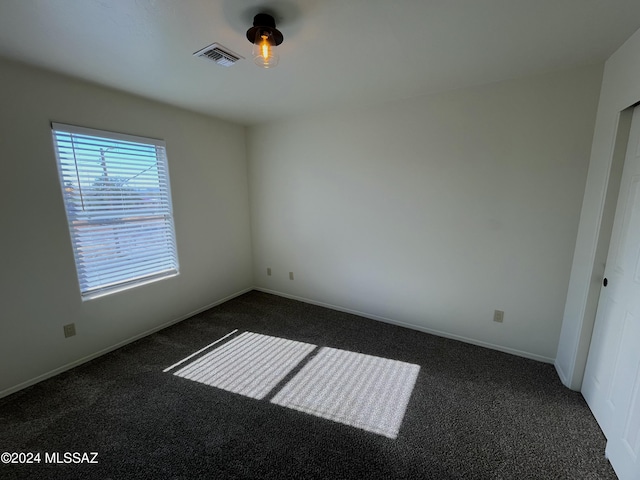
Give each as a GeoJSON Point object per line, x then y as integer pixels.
{"type": "Point", "coordinates": [573, 373]}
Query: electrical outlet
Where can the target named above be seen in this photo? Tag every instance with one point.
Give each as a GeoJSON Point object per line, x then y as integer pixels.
{"type": "Point", "coordinates": [269, 271]}
{"type": "Point", "coordinates": [498, 316]}
{"type": "Point", "coordinates": [69, 330]}
{"type": "Point", "coordinates": [290, 275]}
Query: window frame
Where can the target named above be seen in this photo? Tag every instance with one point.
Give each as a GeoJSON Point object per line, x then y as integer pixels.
{"type": "Point", "coordinates": [137, 277]}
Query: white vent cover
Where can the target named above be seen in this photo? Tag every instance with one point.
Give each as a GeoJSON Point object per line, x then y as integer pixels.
{"type": "Point", "coordinates": [219, 54]}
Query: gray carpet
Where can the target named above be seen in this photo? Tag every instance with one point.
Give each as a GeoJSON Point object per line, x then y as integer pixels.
{"type": "Point", "coordinates": [473, 413]}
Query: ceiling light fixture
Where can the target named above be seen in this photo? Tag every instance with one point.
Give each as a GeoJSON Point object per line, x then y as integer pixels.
{"type": "Point", "coordinates": [265, 37]}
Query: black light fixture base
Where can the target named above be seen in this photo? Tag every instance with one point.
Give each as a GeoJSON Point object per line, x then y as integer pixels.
{"type": "Point", "coordinates": [262, 22]}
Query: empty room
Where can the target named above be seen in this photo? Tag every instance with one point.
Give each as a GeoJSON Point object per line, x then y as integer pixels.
{"type": "Point", "coordinates": [320, 239]}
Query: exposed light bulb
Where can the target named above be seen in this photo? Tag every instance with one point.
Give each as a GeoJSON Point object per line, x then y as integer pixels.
{"type": "Point", "coordinates": [265, 37]}
{"type": "Point", "coordinates": [264, 50]}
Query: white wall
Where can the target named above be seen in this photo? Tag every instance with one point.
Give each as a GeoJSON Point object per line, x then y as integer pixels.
{"type": "Point", "coordinates": [38, 286]}
{"type": "Point", "coordinates": [434, 211]}
{"type": "Point", "coordinates": [620, 90]}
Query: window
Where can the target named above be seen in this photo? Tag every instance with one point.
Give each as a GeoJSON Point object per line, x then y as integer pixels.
{"type": "Point", "coordinates": [118, 202]}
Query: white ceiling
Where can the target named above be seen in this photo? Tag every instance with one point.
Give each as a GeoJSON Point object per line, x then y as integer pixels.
{"type": "Point", "coordinates": [335, 52]}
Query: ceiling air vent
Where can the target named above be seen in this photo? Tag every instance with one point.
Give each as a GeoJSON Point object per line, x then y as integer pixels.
{"type": "Point", "coordinates": [219, 54]}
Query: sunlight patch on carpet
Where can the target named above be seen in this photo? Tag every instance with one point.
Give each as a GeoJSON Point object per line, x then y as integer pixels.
{"type": "Point", "coordinates": [359, 390]}
{"type": "Point", "coordinates": [250, 364]}
{"type": "Point", "coordinates": [362, 391]}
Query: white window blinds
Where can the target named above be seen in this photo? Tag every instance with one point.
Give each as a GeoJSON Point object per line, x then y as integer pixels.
{"type": "Point", "coordinates": [118, 202]}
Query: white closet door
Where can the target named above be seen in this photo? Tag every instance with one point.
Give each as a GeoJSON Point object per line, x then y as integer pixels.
{"type": "Point", "coordinates": [612, 377]}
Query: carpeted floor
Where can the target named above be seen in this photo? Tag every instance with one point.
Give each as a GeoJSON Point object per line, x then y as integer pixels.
{"type": "Point", "coordinates": [473, 413]}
